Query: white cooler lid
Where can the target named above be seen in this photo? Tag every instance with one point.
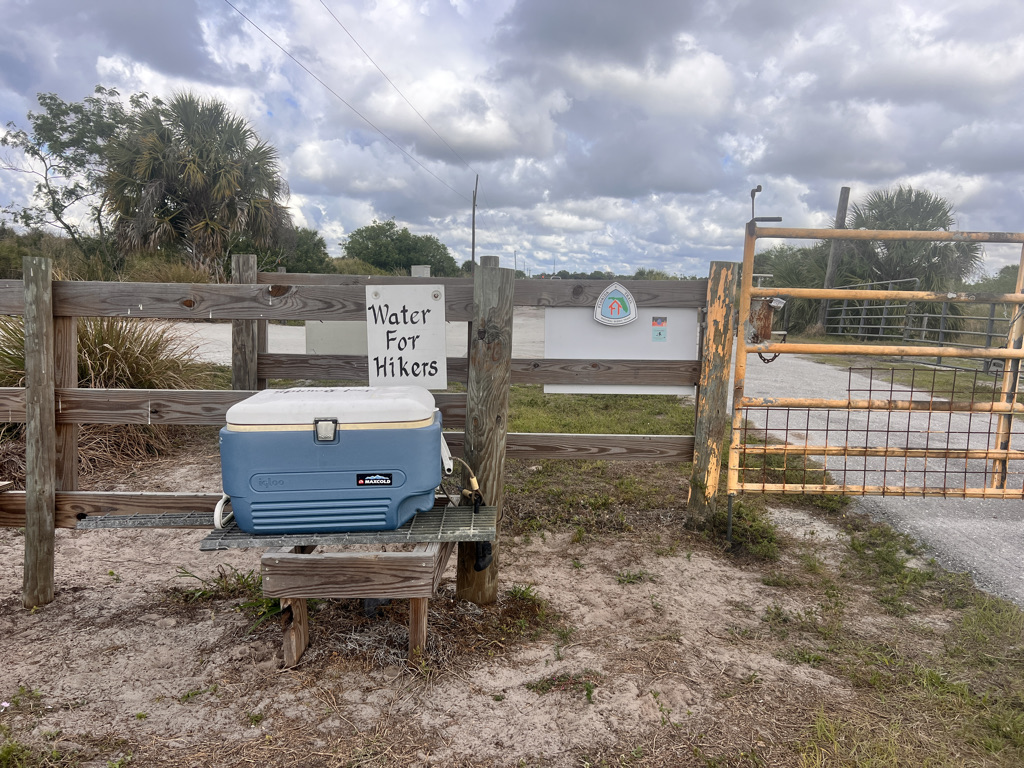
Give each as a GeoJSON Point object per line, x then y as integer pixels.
{"type": "Point", "coordinates": [349, 405]}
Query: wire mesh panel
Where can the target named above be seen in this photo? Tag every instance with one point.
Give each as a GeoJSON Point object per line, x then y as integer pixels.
{"type": "Point", "coordinates": [906, 432]}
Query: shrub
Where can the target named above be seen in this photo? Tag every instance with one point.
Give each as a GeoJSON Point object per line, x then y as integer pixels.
{"type": "Point", "coordinates": [155, 269]}
{"type": "Point", "coordinates": [113, 353]}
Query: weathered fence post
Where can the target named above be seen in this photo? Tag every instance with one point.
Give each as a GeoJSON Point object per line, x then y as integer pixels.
{"type": "Point", "coordinates": [40, 434]}
{"type": "Point", "coordinates": [490, 372]}
{"type": "Point", "coordinates": [244, 342]}
{"type": "Point", "coordinates": [65, 348]}
{"type": "Point", "coordinates": [713, 393]}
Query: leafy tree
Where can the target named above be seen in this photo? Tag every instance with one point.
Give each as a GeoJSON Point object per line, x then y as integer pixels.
{"type": "Point", "coordinates": [345, 266]}
{"type": "Point", "coordinates": [307, 253]}
{"type": "Point", "coordinates": [645, 273]}
{"type": "Point", "coordinates": [191, 174]}
{"type": "Point", "coordinates": [383, 245]}
{"type": "Point", "coordinates": [1004, 281]}
{"type": "Point", "coordinates": [64, 150]}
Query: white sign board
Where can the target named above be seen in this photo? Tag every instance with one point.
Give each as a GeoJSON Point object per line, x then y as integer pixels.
{"type": "Point", "coordinates": [405, 335]}
{"type": "Point", "coordinates": [655, 334]}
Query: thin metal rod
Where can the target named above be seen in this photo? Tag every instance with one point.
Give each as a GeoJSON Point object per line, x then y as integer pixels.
{"type": "Point", "coordinates": [728, 530]}
{"type": "Point", "coordinates": [890, 451]}
{"type": "Point", "coordinates": [883, 490]}
{"type": "Point", "coordinates": [881, 405]}
{"type": "Point", "coordinates": [880, 349]}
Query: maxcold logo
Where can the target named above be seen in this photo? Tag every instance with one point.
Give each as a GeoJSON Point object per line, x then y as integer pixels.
{"type": "Point", "coordinates": [379, 478]}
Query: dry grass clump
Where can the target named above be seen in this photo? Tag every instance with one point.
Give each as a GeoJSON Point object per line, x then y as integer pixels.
{"type": "Point", "coordinates": [113, 353]}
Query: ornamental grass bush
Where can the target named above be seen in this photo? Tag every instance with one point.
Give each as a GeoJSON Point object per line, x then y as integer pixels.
{"type": "Point", "coordinates": [113, 353]}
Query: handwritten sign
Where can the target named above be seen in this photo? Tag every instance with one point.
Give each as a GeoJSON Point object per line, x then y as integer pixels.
{"type": "Point", "coordinates": [405, 335]}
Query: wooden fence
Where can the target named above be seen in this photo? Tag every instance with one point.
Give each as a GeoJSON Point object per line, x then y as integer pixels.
{"type": "Point", "coordinates": [52, 406]}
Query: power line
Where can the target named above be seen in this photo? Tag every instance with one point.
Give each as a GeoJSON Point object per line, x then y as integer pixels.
{"type": "Point", "coordinates": [397, 89]}
{"type": "Point", "coordinates": [339, 98]}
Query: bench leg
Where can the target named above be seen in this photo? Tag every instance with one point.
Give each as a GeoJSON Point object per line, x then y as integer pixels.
{"type": "Point", "coordinates": [295, 623]}
{"type": "Point", "coordinates": [417, 625]}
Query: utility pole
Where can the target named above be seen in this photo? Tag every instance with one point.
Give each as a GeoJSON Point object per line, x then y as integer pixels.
{"type": "Point", "coordinates": [472, 252]}
{"type": "Point", "coordinates": [833, 254]}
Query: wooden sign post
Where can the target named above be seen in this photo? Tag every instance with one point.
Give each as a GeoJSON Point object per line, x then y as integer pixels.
{"type": "Point", "coordinates": [490, 373]}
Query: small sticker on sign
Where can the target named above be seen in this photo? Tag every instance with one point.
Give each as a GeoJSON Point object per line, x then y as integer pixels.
{"type": "Point", "coordinates": [659, 329]}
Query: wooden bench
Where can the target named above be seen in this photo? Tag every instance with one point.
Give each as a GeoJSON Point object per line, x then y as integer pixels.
{"type": "Point", "coordinates": [295, 574]}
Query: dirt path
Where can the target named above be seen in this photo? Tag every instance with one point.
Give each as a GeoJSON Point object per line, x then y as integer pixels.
{"type": "Point", "coordinates": [611, 646]}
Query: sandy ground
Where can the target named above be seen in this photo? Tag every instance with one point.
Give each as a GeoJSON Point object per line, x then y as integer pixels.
{"type": "Point", "coordinates": [119, 666]}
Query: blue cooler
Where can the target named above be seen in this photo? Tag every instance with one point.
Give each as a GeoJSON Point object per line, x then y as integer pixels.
{"type": "Point", "coordinates": [331, 459]}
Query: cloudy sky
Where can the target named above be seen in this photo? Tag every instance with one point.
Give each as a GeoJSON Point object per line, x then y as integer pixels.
{"type": "Point", "coordinates": [607, 134]}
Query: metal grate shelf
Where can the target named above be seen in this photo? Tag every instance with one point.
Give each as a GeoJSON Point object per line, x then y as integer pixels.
{"type": "Point", "coordinates": [437, 524]}
{"type": "Point", "coordinates": [168, 520]}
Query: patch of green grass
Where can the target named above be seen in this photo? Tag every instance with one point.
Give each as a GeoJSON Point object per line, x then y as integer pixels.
{"type": "Point", "coordinates": [229, 583]}
{"type": "Point", "coordinates": [812, 563]}
{"type": "Point", "coordinates": [530, 410]}
{"type": "Point", "coordinates": [633, 577]}
{"type": "Point", "coordinates": [196, 692]}
{"type": "Point", "coordinates": [585, 682]}
{"type": "Point", "coordinates": [753, 532]}
{"type": "Point", "coordinates": [883, 556]}
{"type": "Point", "coordinates": [15, 754]}
{"type": "Point", "coordinates": [524, 592]}
{"type": "Point", "coordinates": [779, 579]}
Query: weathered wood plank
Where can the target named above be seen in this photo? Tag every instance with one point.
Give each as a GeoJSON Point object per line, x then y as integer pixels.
{"type": "Point", "coordinates": [444, 554]}
{"type": "Point", "coordinates": [70, 505]}
{"type": "Point", "coordinates": [12, 297]}
{"type": "Point", "coordinates": [182, 301]}
{"type": "Point", "coordinates": [244, 336]}
{"type": "Point", "coordinates": [521, 445]}
{"type": "Point", "coordinates": [569, 371]}
{"type": "Point", "coordinates": [530, 293]}
{"type": "Point", "coordinates": [12, 405]}
{"type": "Point", "coordinates": [349, 574]}
{"type": "Point", "coordinates": [65, 349]}
{"type": "Point", "coordinates": [295, 629]}
{"type": "Point", "coordinates": [584, 293]}
{"type": "Point", "coordinates": [417, 626]}
{"type": "Point", "coordinates": [294, 619]}
{"type": "Point", "coordinates": [713, 397]}
{"type": "Point", "coordinates": [334, 367]}
{"type": "Point", "coordinates": [40, 433]}
{"type": "Point", "coordinates": [524, 370]}
{"type": "Point", "coordinates": [490, 371]}
{"type": "Point", "coordinates": [144, 406]}
{"type": "Point", "coordinates": [313, 297]}
{"type": "Point", "coordinates": [166, 406]}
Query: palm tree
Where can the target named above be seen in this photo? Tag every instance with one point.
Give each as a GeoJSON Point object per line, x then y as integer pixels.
{"type": "Point", "coordinates": [190, 173]}
{"type": "Point", "coordinates": [939, 266]}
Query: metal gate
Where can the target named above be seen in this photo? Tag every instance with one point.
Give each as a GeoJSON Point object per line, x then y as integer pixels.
{"type": "Point", "coordinates": [899, 429]}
